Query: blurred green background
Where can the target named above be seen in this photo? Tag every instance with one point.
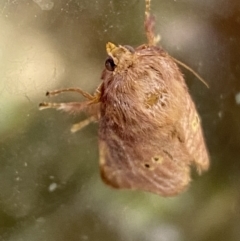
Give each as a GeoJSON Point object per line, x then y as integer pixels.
{"type": "Point", "coordinates": [50, 187]}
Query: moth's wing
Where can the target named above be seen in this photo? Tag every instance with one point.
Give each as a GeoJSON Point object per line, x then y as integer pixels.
{"type": "Point", "coordinates": [192, 133]}
{"type": "Point", "coordinates": [161, 174]}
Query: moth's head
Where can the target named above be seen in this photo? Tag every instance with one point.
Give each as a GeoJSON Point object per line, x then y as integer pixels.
{"type": "Point", "coordinates": [119, 57]}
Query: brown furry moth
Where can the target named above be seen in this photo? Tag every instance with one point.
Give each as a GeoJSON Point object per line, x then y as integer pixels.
{"type": "Point", "coordinates": [149, 130]}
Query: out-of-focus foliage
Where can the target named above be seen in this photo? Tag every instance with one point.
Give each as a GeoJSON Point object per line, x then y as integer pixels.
{"type": "Point", "coordinates": [49, 179]}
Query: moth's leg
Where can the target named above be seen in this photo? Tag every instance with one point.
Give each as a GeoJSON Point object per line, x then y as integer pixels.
{"type": "Point", "coordinates": [90, 106]}
{"type": "Point", "coordinates": [71, 107]}
{"type": "Point", "coordinates": [149, 25]}
{"type": "Point", "coordinates": [94, 98]}
{"type": "Point", "coordinates": [77, 90]}
{"type": "Point", "coordinates": [80, 125]}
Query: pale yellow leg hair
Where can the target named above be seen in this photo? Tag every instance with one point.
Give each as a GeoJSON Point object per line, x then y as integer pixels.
{"type": "Point", "coordinates": [80, 125]}
{"type": "Point", "coordinates": [49, 105]}
{"type": "Point", "coordinates": [71, 107]}
{"type": "Point", "coordinates": [74, 107]}
{"type": "Point", "coordinates": [79, 91]}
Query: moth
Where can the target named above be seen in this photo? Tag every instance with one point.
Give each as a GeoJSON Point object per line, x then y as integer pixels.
{"type": "Point", "coordinates": [149, 130]}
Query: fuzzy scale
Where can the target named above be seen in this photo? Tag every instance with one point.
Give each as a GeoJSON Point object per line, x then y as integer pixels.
{"type": "Point", "coordinates": [149, 130]}
{"type": "Point", "coordinates": [146, 143]}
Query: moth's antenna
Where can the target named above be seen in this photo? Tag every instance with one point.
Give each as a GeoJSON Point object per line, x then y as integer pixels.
{"type": "Point", "coordinates": [191, 70]}
{"type": "Point", "coordinates": [153, 40]}
{"type": "Point", "coordinates": [149, 25]}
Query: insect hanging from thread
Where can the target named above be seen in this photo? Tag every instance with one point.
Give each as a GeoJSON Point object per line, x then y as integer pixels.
{"type": "Point", "coordinates": [149, 130]}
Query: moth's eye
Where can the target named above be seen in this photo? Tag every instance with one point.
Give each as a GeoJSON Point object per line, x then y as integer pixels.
{"type": "Point", "coordinates": [109, 64]}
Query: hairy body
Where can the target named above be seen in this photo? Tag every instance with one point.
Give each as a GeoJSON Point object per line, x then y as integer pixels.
{"type": "Point", "coordinates": [149, 129]}
{"type": "Point", "coordinates": [148, 124]}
